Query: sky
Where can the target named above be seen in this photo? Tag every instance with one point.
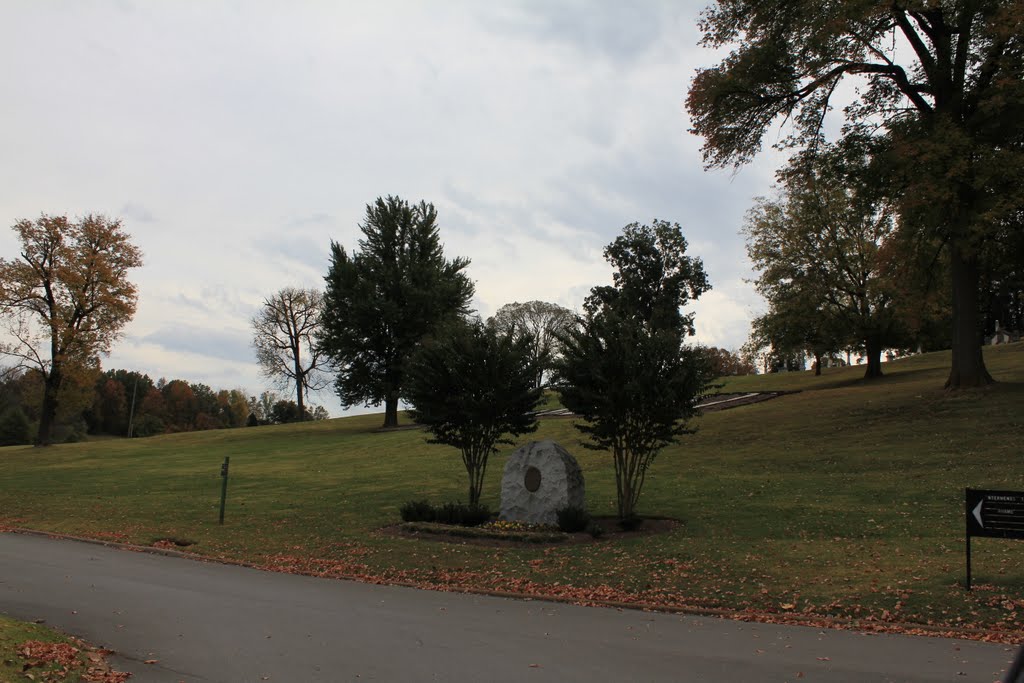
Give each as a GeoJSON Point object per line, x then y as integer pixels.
{"type": "Point", "coordinates": [237, 139]}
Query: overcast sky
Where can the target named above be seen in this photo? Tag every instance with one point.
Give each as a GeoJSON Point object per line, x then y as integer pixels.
{"type": "Point", "coordinates": [237, 139]}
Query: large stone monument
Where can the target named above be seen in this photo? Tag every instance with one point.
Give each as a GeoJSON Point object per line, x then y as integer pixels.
{"type": "Point", "coordinates": [540, 478]}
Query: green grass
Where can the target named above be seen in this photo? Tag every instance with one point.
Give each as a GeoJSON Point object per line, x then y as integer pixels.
{"type": "Point", "coordinates": [843, 500]}
{"type": "Point", "coordinates": [13, 634]}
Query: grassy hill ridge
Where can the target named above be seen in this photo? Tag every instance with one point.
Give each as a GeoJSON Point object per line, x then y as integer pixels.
{"type": "Point", "coordinates": [843, 500]}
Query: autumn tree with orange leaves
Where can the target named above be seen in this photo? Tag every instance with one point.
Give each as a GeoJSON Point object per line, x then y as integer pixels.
{"type": "Point", "coordinates": [65, 299]}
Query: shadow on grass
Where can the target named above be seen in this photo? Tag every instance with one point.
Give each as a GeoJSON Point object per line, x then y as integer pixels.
{"type": "Point", "coordinates": [898, 377]}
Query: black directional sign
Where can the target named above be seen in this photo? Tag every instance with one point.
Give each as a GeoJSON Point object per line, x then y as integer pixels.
{"type": "Point", "coordinates": [996, 514]}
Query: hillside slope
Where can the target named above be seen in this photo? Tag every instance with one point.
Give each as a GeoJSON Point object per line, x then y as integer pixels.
{"type": "Point", "coordinates": [843, 500]}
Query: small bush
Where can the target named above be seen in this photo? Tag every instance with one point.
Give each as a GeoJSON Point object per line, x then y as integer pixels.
{"type": "Point", "coordinates": [449, 513]}
{"type": "Point", "coordinates": [572, 519]}
{"type": "Point", "coordinates": [461, 514]}
{"type": "Point", "coordinates": [631, 523]}
{"type": "Point", "coordinates": [418, 511]}
{"type": "Point", "coordinates": [14, 428]}
{"type": "Point", "coordinates": [595, 530]}
{"type": "Point", "coordinates": [148, 425]}
{"type": "Point", "coordinates": [453, 514]}
{"type": "Point", "coordinates": [475, 515]}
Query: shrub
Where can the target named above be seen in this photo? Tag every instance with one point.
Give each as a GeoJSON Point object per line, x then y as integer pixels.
{"type": "Point", "coordinates": [449, 513]}
{"type": "Point", "coordinates": [630, 523]}
{"type": "Point", "coordinates": [418, 511]}
{"type": "Point", "coordinates": [572, 519]}
{"type": "Point", "coordinates": [476, 514]}
{"type": "Point", "coordinates": [148, 425]}
{"type": "Point", "coordinates": [461, 514]}
{"type": "Point", "coordinates": [14, 428]}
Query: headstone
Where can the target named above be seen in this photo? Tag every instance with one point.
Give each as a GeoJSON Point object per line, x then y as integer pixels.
{"type": "Point", "coordinates": [540, 478]}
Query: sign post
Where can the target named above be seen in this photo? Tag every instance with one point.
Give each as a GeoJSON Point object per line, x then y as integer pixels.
{"type": "Point", "coordinates": [224, 487]}
{"type": "Point", "coordinates": [993, 514]}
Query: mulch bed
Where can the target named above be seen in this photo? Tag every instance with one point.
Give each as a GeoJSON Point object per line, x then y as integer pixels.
{"type": "Point", "coordinates": [650, 527]}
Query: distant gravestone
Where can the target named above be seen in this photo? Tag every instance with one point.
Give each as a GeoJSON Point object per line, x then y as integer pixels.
{"type": "Point", "coordinates": [540, 478]}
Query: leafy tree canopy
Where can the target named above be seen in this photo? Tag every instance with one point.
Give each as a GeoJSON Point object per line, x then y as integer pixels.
{"type": "Point", "coordinates": [940, 107]}
{"type": "Point", "coordinates": [823, 252]}
{"type": "Point", "coordinates": [66, 298]}
{"type": "Point", "coordinates": [624, 366]}
{"type": "Point", "coordinates": [473, 388]}
{"type": "Point", "coordinates": [653, 279]}
{"type": "Point", "coordinates": [384, 299]}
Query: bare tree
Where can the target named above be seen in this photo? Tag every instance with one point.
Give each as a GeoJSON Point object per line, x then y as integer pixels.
{"type": "Point", "coordinates": [542, 321]}
{"type": "Point", "coordinates": [283, 336]}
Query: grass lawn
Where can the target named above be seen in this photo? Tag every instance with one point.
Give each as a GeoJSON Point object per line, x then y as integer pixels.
{"type": "Point", "coordinates": [844, 500]}
{"type": "Point", "coordinates": [34, 652]}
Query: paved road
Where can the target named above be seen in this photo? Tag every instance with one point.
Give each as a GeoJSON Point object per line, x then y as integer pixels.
{"type": "Point", "coordinates": [210, 622]}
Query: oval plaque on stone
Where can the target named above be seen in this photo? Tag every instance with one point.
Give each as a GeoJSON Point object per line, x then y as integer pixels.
{"type": "Point", "coordinates": [540, 479]}
{"type": "Point", "coordinates": [532, 479]}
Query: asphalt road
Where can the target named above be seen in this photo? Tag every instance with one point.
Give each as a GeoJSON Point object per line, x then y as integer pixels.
{"type": "Point", "coordinates": [210, 622]}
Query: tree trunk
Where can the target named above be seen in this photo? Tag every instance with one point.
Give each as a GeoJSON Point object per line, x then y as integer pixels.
{"type": "Point", "coordinates": [391, 410]}
{"type": "Point", "coordinates": [873, 351]}
{"type": "Point", "coordinates": [474, 491]}
{"type": "Point", "coordinates": [299, 382]}
{"type": "Point", "coordinates": [475, 484]}
{"type": "Point", "coordinates": [51, 386]}
{"type": "Point", "coordinates": [626, 504]}
{"type": "Point", "coordinates": [968, 367]}
{"type": "Point", "coordinates": [817, 364]}
{"type": "Point", "coordinates": [625, 492]}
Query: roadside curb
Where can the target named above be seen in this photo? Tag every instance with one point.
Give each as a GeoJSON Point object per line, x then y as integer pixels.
{"type": "Point", "coordinates": [867, 627]}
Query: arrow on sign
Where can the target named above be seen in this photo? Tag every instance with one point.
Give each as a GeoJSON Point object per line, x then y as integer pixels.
{"type": "Point", "coordinates": [977, 513]}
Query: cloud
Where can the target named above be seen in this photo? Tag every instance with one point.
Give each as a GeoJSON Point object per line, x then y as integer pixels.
{"type": "Point", "coordinates": [296, 249]}
{"type": "Point", "coordinates": [238, 139]}
{"type": "Point", "coordinates": [136, 212]}
{"type": "Point", "coordinates": [723, 315]}
{"type": "Point", "coordinates": [317, 219]}
{"type": "Point", "coordinates": [223, 344]}
{"type": "Point", "coordinates": [616, 31]}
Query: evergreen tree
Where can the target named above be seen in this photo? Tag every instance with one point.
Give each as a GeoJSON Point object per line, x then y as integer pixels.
{"type": "Point", "coordinates": [384, 299]}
